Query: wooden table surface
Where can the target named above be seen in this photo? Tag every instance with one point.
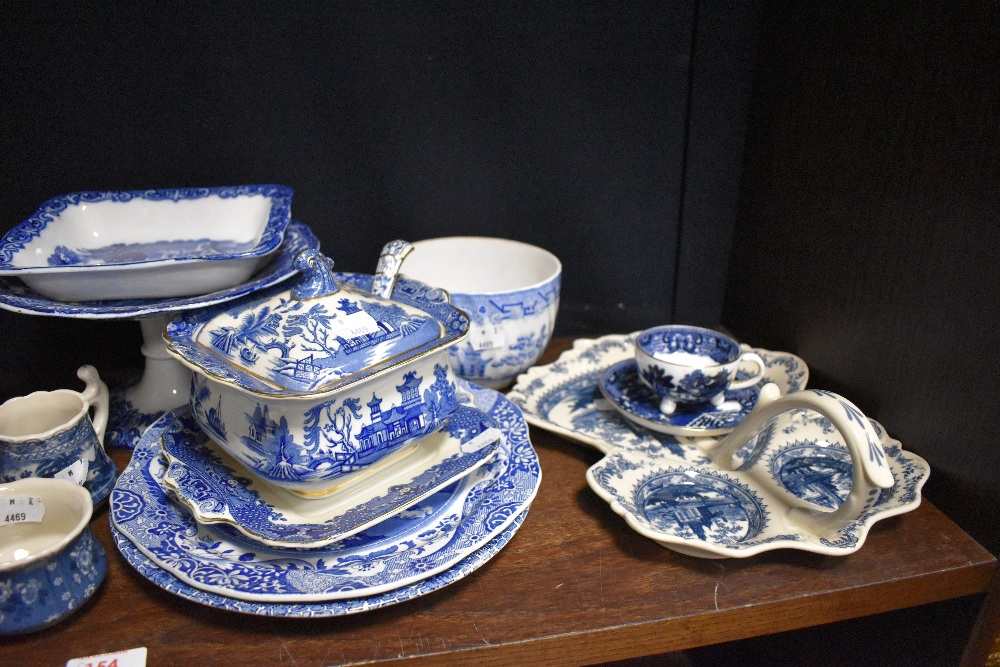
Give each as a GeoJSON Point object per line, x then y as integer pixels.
{"type": "Point", "coordinates": [574, 586]}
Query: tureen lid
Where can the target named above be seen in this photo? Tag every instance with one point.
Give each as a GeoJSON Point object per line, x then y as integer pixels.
{"type": "Point", "coordinates": [321, 334]}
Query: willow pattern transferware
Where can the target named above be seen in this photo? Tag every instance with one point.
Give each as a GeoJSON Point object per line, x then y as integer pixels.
{"type": "Point", "coordinates": [622, 388]}
{"type": "Point", "coordinates": [805, 471]}
{"type": "Point", "coordinates": [51, 434]}
{"type": "Point", "coordinates": [509, 289]}
{"type": "Point", "coordinates": [163, 579]}
{"type": "Point", "coordinates": [146, 244]}
{"type": "Point", "coordinates": [215, 490]}
{"type": "Point", "coordinates": [137, 404]}
{"type": "Point", "coordinates": [366, 564]}
{"type": "Point", "coordinates": [565, 397]}
{"type": "Point", "coordinates": [50, 563]}
{"type": "Point", "coordinates": [311, 386]}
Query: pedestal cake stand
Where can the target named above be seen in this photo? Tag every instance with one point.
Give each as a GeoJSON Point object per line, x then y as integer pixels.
{"type": "Point", "coordinates": [164, 383]}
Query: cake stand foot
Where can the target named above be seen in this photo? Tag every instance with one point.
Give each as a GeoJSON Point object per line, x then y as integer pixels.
{"type": "Point", "coordinates": [165, 384]}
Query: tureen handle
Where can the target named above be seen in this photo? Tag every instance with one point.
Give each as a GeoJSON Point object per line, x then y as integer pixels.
{"type": "Point", "coordinates": [317, 275]}
{"type": "Point", "coordinates": [868, 460]}
{"type": "Point", "coordinates": [388, 265]}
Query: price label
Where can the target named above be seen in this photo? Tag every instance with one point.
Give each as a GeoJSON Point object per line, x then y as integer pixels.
{"type": "Point", "coordinates": [21, 509]}
{"type": "Point", "coordinates": [487, 437]}
{"type": "Point", "coordinates": [75, 472]}
{"type": "Point", "coordinates": [135, 657]}
{"type": "Point", "coordinates": [488, 338]}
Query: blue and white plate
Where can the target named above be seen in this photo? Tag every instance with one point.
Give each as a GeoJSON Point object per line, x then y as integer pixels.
{"type": "Point", "coordinates": [16, 296]}
{"type": "Point", "coordinates": [217, 490]}
{"type": "Point", "coordinates": [369, 563]}
{"type": "Point", "coordinates": [148, 569]}
{"type": "Point", "coordinates": [565, 397]}
{"type": "Point", "coordinates": [700, 510]}
{"type": "Point", "coordinates": [627, 393]}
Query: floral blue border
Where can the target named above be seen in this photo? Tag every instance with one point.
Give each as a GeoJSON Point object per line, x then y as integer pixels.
{"type": "Point", "coordinates": [16, 296]}
{"type": "Point", "coordinates": [140, 509]}
{"type": "Point", "coordinates": [281, 197]}
{"type": "Point", "coordinates": [463, 568]}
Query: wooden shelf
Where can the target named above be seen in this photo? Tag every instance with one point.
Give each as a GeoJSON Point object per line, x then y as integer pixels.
{"type": "Point", "coordinates": [574, 586]}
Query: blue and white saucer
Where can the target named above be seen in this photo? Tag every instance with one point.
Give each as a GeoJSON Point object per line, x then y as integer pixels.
{"type": "Point", "coordinates": [217, 490]}
{"type": "Point", "coordinates": [426, 540]}
{"type": "Point", "coordinates": [564, 397]}
{"type": "Point", "coordinates": [637, 402]}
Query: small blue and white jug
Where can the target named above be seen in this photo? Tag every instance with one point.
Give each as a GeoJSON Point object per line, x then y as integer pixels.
{"type": "Point", "coordinates": [51, 434]}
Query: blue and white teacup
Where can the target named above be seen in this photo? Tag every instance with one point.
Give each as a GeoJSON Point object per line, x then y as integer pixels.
{"type": "Point", "coordinates": [50, 563]}
{"type": "Point", "coordinates": [510, 291]}
{"type": "Point", "coordinates": [684, 364]}
{"type": "Point", "coordinates": [51, 434]}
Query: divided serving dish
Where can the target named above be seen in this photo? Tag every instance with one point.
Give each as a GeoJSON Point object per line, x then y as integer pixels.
{"type": "Point", "coordinates": [804, 470]}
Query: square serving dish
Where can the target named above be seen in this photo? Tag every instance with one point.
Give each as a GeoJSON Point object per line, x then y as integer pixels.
{"type": "Point", "coordinates": [146, 244]}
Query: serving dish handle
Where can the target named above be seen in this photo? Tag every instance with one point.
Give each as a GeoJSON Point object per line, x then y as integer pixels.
{"type": "Point", "coordinates": [389, 262]}
{"type": "Point", "coordinates": [870, 466]}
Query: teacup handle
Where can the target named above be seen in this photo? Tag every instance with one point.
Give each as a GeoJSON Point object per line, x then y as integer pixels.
{"type": "Point", "coordinates": [870, 465]}
{"type": "Point", "coordinates": [753, 358]}
{"type": "Point", "coordinates": [96, 396]}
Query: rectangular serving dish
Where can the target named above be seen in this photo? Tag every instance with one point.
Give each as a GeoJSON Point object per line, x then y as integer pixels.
{"type": "Point", "coordinates": [145, 244]}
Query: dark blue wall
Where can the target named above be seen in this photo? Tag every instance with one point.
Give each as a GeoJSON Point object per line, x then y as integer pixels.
{"type": "Point", "coordinates": [609, 133]}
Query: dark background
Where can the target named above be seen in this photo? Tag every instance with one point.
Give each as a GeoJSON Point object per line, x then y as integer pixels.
{"type": "Point", "coordinates": [821, 179]}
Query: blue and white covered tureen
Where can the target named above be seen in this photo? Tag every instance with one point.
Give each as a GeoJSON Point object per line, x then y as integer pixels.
{"type": "Point", "coordinates": [314, 386]}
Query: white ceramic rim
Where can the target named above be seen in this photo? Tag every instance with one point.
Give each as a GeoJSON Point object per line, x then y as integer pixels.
{"type": "Point", "coordinates": [541, 252]}
{"type": "Point", "coordinates": [55, 430]}
{"type": "Point", "coordinates": [46, 488]}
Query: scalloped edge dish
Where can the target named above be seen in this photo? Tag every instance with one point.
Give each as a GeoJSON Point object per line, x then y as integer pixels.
{"type": "Point", "coordinates": [702, 511]}
{"type": "Point", "coordinates": [564, 397]}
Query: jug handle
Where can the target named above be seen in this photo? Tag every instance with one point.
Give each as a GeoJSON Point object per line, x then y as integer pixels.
{"type": "Point", "coordinates": [96, 396]}
{"type": "Point", "coordinates": [870, 464]}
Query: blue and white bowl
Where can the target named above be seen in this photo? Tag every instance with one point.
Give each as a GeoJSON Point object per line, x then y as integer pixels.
{"type": "Point", "coordinates": [509, 289]}
{"type": "Point", "coordinates": [146, 244]}
{"type": "Point", "coordinates": [50, 563]}
{"type": "Point", "coordinates": [313, 386]}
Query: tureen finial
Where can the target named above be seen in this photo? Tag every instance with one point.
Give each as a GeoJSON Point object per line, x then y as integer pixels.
{"type": "Point", "coordinates": [317, 275]}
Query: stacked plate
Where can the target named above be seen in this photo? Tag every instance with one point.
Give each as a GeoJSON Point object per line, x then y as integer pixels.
{"type": "Point", "coordinates": [165, 519]}
{"type": "Point", "coordinates": [278, 493]}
